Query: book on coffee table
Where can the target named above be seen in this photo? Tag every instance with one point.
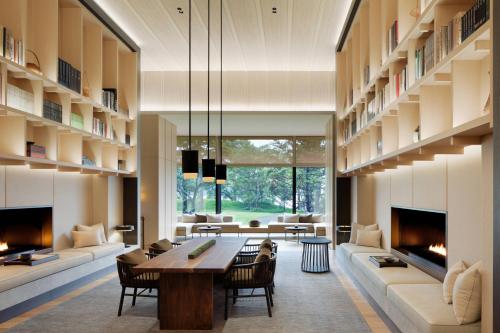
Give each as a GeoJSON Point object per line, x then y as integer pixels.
{"type": "Point", "coordinates": [36, 259]}
{"type": "Point", "coordinates": [387, 261]}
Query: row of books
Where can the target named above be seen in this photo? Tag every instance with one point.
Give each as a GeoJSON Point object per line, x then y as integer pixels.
{"type": "Point", "coordinates": [475, 17]}
{"type": "Point", "coordinates": [99, 127]}
{"type": "Point", "coordinates": [109, 98]}
{"type": "Point", "coordinates": [366, 75]}
{"type": "Point", "coordinates": [400, 82]}
{"type": "Point", "coordinates": [424, 57]}
{"type": "Point", "coordinates": [69, 76]}
{"type": "Point", "coordinates": [36, 151]}
{"type": "Point", "coordinates": [383, 98]}
{"type": "Point", "coordinates": [392, 38]}
{"type": "Point", "coordinates": [52, 110]}
{"type": "Point", "coordinates": [449, 36]}
{"type": "Point", "coordinates": [371, 110]}
{"type": "Point", "coordinates": [11, 48]}
{"type": "Point", "coordinates": [20, 99]}
{"type": "Point", "coordinates": [76, 120]}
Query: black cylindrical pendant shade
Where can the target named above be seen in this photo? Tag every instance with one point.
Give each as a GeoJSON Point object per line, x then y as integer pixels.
{"type": "Point", "coordinates": [190, 164]}
{"type": "Point", "coordinates": [208, 170]}
{"type": "Point", "coordinates": [221, 174]}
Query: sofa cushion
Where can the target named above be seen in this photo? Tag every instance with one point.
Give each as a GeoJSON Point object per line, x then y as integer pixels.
{"type": "Point", "coordinates": [86, 238]}
{"type": "Point", "coordinates": [227, 218]}
{"type": "Point", "coordinates": [349, 249]}
{"type": "Point", "coordinates": [17, 275]}
{"type": "Point", "coordinates": [102, 250]}
{"type": "Point", "coordinates": [200, 218]}
{"type": "Point", "coordinates": [356, 226]}
{"type": "Point", "coordinates": [99, 227]}
{"type": "Point", "coordinates": [307, 218]}
{"type": "Point", "coordinates": [162, 245]}
{"type": "Point", "coordinates": [450, 279]}
{"type": "Point", "coordinates": [214, 218]}
{"type": "Point", "coordinates": [423, 305]}
{"type": "Point", "coordinates": [467, 295]}
{"type": "Point", "coordinates": [383, 277]}
{"type": "Point", "coordinates": [369, 238]}
{"type": "Point", "coordinates": [134, 258]}
{"type": "Point", "coordinates": [187, 218]}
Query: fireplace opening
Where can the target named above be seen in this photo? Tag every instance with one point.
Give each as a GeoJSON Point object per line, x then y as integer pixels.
{"type": "Point", "coordinates": [25, 229]}
{"type": "Point", "coordinates": [419, 237]}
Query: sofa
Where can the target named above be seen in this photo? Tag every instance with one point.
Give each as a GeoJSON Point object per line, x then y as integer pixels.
{"type": "Point", "coordinates": [412, 299]}
{"type": "Point", "coordinates": [186, 225]}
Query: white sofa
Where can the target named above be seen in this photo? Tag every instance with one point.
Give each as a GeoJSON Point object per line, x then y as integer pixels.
{"type": "Point", "coordinates": [186, 226]}
{"type": "Point", "coordinates": [22, 283]}
{"type": "Point", "coordinates": [412, 299]}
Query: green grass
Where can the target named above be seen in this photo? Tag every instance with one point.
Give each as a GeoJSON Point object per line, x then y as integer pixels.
{"type": "Point", "coordinates": [241, 213]}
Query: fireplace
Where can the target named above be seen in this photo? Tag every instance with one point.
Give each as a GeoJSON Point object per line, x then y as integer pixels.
{"type": "Point", "coordinates": [419, 237]}
{"type": "Point", "coordinates": [25, 229]}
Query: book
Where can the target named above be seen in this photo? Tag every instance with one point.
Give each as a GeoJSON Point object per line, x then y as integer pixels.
{"type": "Point", "coordinates": [76, 120]}
{"type": "Point", "coordinates": [474, 18]}
{"type": "Point", "coordinates": [68, 76]}
{"type": "Point", "coordinates": [393, 39]}
{"type": "Point", "coordinates": [387, 261]}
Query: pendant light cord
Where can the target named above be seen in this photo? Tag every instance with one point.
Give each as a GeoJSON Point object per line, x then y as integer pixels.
{"type": "Point", "coordinates": [208, 85]}
{"type": "Point", "coordinates": [189, 75]}
{"type": "Point", "coordinates": [220, 82]}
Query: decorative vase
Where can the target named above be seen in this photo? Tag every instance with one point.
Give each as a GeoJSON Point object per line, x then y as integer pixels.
{"type": "Point", "coordinates": [254, 223]}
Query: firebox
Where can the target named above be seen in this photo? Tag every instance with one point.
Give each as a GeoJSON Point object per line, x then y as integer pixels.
{"type": "Point", "coordinates": [419, 237]}
{"type": "Point", "coordinates": [25, 229]}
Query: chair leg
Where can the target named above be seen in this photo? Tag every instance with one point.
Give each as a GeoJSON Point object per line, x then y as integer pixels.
{"type": "Point", "coordinates": [135, 296]}
{"type": "Point", "coordinates": [121, 302]}
{"type": "Point", "coordinates": [268, 303]}
{"type": "Point", "coordinates": [225, 304]}
{"type": "Point", "coordinates": [270, 295]}
{"type": "Point", "coordinates": [235, 294]}
{"type": "Point", "coordinates": [158, 305]}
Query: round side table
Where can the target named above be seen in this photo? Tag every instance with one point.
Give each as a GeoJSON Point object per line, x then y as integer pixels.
{"type": "Point", "coordinates": [315, 255]}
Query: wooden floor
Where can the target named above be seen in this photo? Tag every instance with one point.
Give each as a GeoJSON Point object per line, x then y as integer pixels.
{"type": "Point", "coordinates": [373, 320]}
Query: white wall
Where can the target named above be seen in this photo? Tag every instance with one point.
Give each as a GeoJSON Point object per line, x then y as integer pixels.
{"type": "Point", "coordinates": [458, 184]}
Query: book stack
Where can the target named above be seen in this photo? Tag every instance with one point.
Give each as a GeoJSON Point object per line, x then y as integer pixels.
{"type": "Point", "coordinates": [52, 111]}
{"type": "Point", "coordinates": [371, 110]}
{"type": "Point", "coordinates": [87, 161]}
{"type": "Point", "coordinates": [20, 99]}
{"type": "Point", "coordinates": [11, 48]}
{"type": "Point", "coordinates": [109, 99]}
{"type": "Point", "coordinates": [69, 76]}
{"type": "Point", "coordinates": [424, 57]}
{"type": "Point", "coordinates": [401, 82]}
{"type": "Point", "coordinates": [76, 120]}
{"type": "Point", "coordinates": [36, 151]}
{"type": "Point", "coordinates": [475, 17]}
{"type": "Point", "coordinates": [383, 98]}
{"type": "Point", "coordinates": [354, 126]}
{"type": "Point", "coordinates": [99, 127]}
{"type": "Point", "coordinates": [449, 36]}
{"type": "Point", "coordinates": [346, 134]}
{"type": "Point", "coordinates": [363, 119]}
{"type": "Point", "coordinates": [392, 41]}
{"type": "Point", "coordinates": [387, 261]}
{"type": "Point", "coordinates": [366, 75]}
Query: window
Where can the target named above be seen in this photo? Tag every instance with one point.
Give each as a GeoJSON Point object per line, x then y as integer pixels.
{"type": "Point", "coordinates": [257, 151]}
{"type": "Point", "coordinates": [194, 195]}
{"type": "Point", "coordinates": [311, 186]}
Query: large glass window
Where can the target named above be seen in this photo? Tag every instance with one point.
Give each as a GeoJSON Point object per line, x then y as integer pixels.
{"type": "Point", "coordinates": [311, 186]}
{"type": "Point", "coordinates": [194, 195]}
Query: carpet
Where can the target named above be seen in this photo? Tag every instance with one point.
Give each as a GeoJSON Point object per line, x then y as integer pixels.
{"type": "Point", "coordinates": [303, 302]}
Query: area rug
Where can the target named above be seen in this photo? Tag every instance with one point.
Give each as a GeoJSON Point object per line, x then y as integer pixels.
{"type": "Point", "coordinates": [303, 302]}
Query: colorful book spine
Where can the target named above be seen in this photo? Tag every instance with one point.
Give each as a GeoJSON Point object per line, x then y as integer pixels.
{"type": "Point", "coordinates": [76, 120]}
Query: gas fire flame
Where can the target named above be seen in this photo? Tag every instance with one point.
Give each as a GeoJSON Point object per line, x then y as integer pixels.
{"type": "Point", "coordinates": [3, 246]}
{"type": "Point", "coordinates": [439, 249]}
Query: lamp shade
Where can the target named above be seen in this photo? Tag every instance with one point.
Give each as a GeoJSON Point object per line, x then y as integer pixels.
{"type": "Point", "coordinates": [190, 164]}
{"type": "Point", "coordinates": [221, 174]}
{"type": "Point", "coordinates": [208, 170]}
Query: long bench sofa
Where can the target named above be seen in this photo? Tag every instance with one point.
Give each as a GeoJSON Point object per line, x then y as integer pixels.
{"type": "Point", "coordinates": [412, 299]}
{"type": "Point", "coordinates": [22, 283]}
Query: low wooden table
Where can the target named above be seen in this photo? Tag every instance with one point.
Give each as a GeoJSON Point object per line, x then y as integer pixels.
{"type": "Point", "coordinates": [210, 229]}
{"type": "Point", "coordinates": [186, 285]}
{"type": "Point", "coordinates": [297, 230]}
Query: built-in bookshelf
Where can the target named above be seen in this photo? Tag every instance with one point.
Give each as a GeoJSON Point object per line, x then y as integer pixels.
{"type": "Point", "coordinates": [76, 112]}
{"type": "Point", "coordinates": [413, 80]}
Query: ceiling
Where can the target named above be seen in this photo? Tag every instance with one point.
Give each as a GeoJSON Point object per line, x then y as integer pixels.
{"type": "Point", "coordinates": [301, 36]}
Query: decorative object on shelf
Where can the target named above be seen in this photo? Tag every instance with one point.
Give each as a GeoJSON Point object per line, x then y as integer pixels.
{"type": "Point", "coordinates": [125, 229]}
{"type": "Point", "coordinates": [220, 169]}
{"type": "Point", "coordinates": [254, 223]}
{"type": "Point", "coordinates": [201, 248]}
{"type": "Point", "coordinates": [109, 98]}
{"type": "Point", "coordinates": [416, 12]}
{"type": "Point", "coordinates": [76, 120]}
{"type": "Point", "coordinates": [208, 164]}
{"type": "Point", "coordinates": [86, 86]}
{"type": "Point", "coordinates": [87, 161]}
{"type": "Point", "coordinates": [35, 67]}
{"type": "Point", "coordinates": [190, 156]}
{"type": "Point", "coordinates": [416, 134]}
{"type": "Point", "coordinates": [11, 48]}
{"type": "Point", "coordinates": [36, 151]}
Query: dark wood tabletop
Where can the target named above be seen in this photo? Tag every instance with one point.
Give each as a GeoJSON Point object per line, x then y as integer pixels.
{"type": "Point", "coordinates": [217, 259]}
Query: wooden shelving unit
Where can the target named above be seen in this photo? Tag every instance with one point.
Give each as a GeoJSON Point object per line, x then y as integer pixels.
{"type": "Point", "coordinates": [440, 112]}
{"type": "Point", "coordinates": [65, 29]}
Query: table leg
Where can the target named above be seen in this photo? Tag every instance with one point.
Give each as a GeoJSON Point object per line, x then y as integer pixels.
{"type": "Point", "coordinates": [186, 301]}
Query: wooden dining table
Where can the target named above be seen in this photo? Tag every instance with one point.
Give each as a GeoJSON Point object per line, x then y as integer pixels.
{"type": "Point", "coordinates": [186, 290]}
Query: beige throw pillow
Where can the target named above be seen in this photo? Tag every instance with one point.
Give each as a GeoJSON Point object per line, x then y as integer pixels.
{"type": "Point", "coordinates": [450, 279]}
{"type": "Point", "coordinates": [86, 238]}
{"type": "Point", "coordinates": [214, 218]}
{"type": "Point", "coordinates": [186, 218]}
{"type": "Point", "coordinates": [135, 257]}
{"type": "Point", "coordinates": [99, 227]}
{"type": "Point", "coordinates": [467, 295]}
{"type": "Point", "coordinates": [356, 226]}
{"type": "Point", "coordinates": [369, 238]}
{"type": "Point", "coordinates": [291, 218]}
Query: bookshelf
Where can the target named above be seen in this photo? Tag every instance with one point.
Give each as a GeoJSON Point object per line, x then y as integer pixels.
{"type": "Point", "coordinates": [409, 84]}
{"type": "Point", "coordinates": [60, 108]}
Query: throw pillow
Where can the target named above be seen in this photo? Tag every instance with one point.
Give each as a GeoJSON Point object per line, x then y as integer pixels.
{"type": "Point", "coordinates": [264, 254]}
{"type": "Point", "coordinates": [450, 279]}
{"type": "Point", "coordinates": [99, 227]}
{"type": "Point", "coordinates": [135, 257]}
{"type": "Point", "coordinates": [356, 226]}
{"type": "Point", "coordinates": [467, 295]}
{"type": "Point", "coordinates": [369, 238]}
{"type": "Point", "coordinates": [214, 218]}
{"type": "Point", "coordinates": [200, 218]}
{"type": "Point", "coordinates": [317, 218]}
{"type": "Point", "coordinates": [85, 238]}
{"type": "Point", "coordinates": [305, 218]}
{"type": "Point", "coordinates": [267, 243]}
{"type": "Point", "coordinates": [188, 218]}
{"type": "Point", "coordinates": [163, 245]}
{"type": "Point", "coordinates": [291, 218]}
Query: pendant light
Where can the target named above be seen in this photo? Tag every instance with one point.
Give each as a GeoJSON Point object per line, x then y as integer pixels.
{"type": "Point", "coordinates": [208, 164]}
{"type": "Point", "coordinates": [189, 156]}
{"type": "Point", "coordinates": [220, 170]}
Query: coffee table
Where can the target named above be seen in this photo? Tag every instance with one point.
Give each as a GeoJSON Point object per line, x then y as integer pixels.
{"type": "Point", "coordinates": [296, 230]}
{"type": "Point", "coordinates": [210, 229]}
{"type": "Point", "coordinates": [315, 255]}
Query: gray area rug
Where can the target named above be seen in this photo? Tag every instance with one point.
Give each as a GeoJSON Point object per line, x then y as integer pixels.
{"type": "Point", "coordinates": [303, 302]}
